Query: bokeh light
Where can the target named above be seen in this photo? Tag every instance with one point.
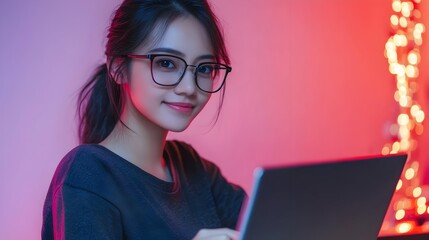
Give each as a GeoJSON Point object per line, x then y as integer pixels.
{"type": "Point", "coordinates": [402, 51]}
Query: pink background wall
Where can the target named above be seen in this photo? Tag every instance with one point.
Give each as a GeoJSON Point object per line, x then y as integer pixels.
{"type": "Point", "coordinates": [309, 83]}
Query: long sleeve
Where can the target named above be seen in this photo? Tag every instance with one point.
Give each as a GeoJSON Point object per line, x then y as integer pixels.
{"type": "Point", "coordinates": [96, 194]}
{"type": "Point", "coordinates": [228, 196]}
{"type": "Point", "coordinates": [80, 214]}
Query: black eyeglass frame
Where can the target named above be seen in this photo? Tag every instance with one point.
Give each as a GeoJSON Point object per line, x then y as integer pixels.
{"type": "Point", "coordinates": [151, 57]}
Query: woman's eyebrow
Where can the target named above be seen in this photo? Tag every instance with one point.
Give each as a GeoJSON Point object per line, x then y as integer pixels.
{"type": "Point", "coordinates": [179, 53]}
{"type": "Point", "coordinates": [207, 56]}
{"type": "Point", "coordinates": [168, 50]}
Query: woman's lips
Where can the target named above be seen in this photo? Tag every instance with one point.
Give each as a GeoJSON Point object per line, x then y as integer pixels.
{"type": "Point", "coordinates": [180, 106]}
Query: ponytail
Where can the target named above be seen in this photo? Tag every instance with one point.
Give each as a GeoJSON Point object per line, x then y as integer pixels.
{"type": "Point", "coordinates": [99, 107]}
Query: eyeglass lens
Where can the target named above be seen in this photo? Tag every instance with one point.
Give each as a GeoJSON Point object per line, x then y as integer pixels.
{"type": "Point", "coordinates": [169, 70]}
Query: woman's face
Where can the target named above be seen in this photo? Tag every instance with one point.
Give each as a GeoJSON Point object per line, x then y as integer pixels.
{"type": "Point", "coordinates": [169, 107]}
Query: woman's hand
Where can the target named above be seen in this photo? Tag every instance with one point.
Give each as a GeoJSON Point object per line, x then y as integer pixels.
{"type": "Point", "coordinates": [216, 234]}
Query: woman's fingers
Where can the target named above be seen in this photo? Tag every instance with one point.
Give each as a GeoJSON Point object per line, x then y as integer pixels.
{"type": "Point", "coordinates": [216, 234]}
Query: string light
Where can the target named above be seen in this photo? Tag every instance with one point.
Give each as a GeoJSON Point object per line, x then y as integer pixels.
{"type": "Point", "coordinates": [402, 51]}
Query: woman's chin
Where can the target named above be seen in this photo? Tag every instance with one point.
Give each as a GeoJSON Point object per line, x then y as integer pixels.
{"type": "Point", "coordinates": [178, 129]}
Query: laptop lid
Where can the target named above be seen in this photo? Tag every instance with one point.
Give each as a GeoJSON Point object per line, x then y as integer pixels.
{"type": "Point", "coordinates": [330, 201]}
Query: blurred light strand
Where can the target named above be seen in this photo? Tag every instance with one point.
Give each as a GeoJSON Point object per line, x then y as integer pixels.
{"type": "Point", "coordinates": [402, 51]}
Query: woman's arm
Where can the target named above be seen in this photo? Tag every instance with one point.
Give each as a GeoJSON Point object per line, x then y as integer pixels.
{"type": "Point", "coordinates": [228, 197]}
{"type": "Point", "coordinates": [81, 214]}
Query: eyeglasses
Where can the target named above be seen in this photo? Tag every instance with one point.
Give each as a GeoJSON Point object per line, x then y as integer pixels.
{"type": "Point", "coordinates": [168, 70]}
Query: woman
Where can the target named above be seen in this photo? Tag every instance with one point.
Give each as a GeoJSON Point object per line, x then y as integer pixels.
{"type": "Point", "coordinates": [125, 181]}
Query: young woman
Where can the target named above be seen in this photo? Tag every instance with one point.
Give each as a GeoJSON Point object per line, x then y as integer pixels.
{"type": "Point", "coordinates": [125, 181]}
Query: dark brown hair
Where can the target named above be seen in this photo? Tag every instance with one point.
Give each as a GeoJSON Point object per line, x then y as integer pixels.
{"type": "Point", "coordinates": [101, 99]}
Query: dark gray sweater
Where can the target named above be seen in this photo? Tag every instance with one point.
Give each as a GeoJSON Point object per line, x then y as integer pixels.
{"type": "Point", "coordinates": [96, 194]}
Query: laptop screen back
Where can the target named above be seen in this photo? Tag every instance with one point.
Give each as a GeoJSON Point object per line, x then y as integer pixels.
{"type": "Point", "coordinates": [335, 201]}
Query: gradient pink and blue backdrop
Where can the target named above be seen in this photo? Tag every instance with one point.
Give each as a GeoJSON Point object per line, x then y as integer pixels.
{"type": "Point", "coordinates": [309, 83]}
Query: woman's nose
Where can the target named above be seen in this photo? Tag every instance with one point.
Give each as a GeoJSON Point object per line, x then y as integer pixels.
{"type": "Point", "coordinates": [187, 84]}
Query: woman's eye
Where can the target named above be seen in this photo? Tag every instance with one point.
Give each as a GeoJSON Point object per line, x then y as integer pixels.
{"type": "Point", "coordinates": [165, 64]}
{"type": "Point", "coordinates": [205, 69]}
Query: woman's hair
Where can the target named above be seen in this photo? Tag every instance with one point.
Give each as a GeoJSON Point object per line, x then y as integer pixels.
{"type": "Point", "coordinates": [135, 22]}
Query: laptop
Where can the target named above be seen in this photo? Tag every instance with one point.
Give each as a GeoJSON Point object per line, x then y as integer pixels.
{"type": "Point", "coordinates": [341, 200]}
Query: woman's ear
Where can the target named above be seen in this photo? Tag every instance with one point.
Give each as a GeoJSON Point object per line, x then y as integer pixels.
{"type": "Point", "coordinates": [116, 70]}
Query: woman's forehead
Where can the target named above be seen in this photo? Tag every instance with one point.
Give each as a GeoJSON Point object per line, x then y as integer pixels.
{"type": "Point", "coordinates": [184, 34]}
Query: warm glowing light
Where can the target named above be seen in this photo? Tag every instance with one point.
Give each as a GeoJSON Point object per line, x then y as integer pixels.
{"type": "Point", "coordinates": [415, 165]}
{"type": "Point", "coordinates": [413, 58]}
{"type": "Point", "coordinates": [414, 110]}
{"type": "Point", "coordinates": [406, 9]}
{"type": "Point", "coordinates": [397, 205]}
{"type": "Point", "coordinates": [403, 119]}
{"type": "Point", "coordinates": [396, 68]}
{"type": "Point", "coordinates": [405, 145]}
{"type": "Point", "coordinates": [403, 22]}
{"type": "Point", "coordinates": [395, 147]}
{"type": "Point", "coordinates": [421, 201]}
{"type": "Point", "coordinates": [394, 20]}
{"type": "Point", "coordinates": [400, 69]}
{"type": "Point", "coordinates": [417, 36]}
{"type": "Point", "coordinates": [401, 79]}
{"type": "Point", "coordinates": [400, 214]}
{"type": "Point", "coordinates": [402, 51]}
{"type": "Point", "coordinates": [402, 90]}
{"type": "Point", "coordinates": [411, 71]}
{"type": "Point", "coordinates": [394, 129]}
{"type": "Point", "coordinates": [409, 173]}
{"type": "Point", "coordinates": [419, 27]}
{"type": "Point", "coordinates": [392, 68]}
{"type": "Point", "coordinates": [421, 210]}
{"type": "Point", "coordinates": [390, 45]}
{"type": "Point", "coordinates": [400, 40]}
{"type": "Point", "coordinates": [418, 40]}
{"type": "Point", "coordinates": [396, 96]}
{"type": "Point", "coordinates": [404, 227]}
{"type": "Point", "coordinates": [419, 129]}
{"type": "Point", "coordinates": [399, 185]}
{"type": "Point", "coordinates": [404, 132]}
{"type": "Point", "coordinates": [417, 13]}
{"type": "Point", "coordinates": [413, 87]}
{"type": "Point", "coordinates": [385, 150]}
{"type": "Point", "coordinates": [420, 116]}
{"type": "Point", "coordinates": [413, 145]}
{"type": "Point", "coordinates": [403, 101]}
{"type": "Point", "coordinates": [396, 5]}
{"type": "Point", "coordinates": [391, 56]}
{"type": "Point", "coordinates": [407, 203]}
{"type": "Point", "coordinates": [417, 192]}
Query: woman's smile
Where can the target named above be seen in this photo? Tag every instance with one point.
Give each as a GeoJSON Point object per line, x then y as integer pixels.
{"type": "Point", "coordinates": [181, 107]}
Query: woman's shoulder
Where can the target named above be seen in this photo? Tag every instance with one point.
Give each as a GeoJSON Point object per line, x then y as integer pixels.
{"type": "Point", "coordinates": [83, 163]}
{"type": "Point", "coordinates": [85, 155]}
